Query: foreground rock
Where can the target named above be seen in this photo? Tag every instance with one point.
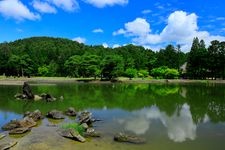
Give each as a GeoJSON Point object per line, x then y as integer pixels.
{"type": "Point", "coordinates": [8, 145]}
{"type": "Point", "coordinates": [71, 112]}
{"type": "Point", "coordinates": [19, 130]}
{"type": "Point", "coordinates": [90, 132]}
{"type": "Point", "coordinates": [24, 123]}
{"type": "Point", "coordinates": [72, 134]}
{"type": "Point", "coordinates": [86, 117]}
{"type": "Point", "coordinates": [27, 91]}
{"type": "Point", "coordinates": [55, 114]}
{"type": "Point", "coordinates": [36, 115]}
{"type": "Point", "coordinates": [121, 137]}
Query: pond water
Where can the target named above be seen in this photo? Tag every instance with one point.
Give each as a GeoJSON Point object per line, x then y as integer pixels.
{"type": "Point", "coordinates": [168, 116]}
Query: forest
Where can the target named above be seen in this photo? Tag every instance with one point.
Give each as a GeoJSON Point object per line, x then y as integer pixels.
{"type": "Point", "coordinates": [59, 57]}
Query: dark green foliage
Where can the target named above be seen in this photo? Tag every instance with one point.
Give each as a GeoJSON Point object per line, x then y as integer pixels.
{"type": "Point", "coordinates": [75, 126]}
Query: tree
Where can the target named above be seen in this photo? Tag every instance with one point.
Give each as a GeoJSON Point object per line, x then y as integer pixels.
{"type": "Point", "coordinates": [197, 60]}
{"type": "Point", "coordinates": [112, 66]}
{"type": "Point", "coordinates": [131, 73]}
{"type": "Point", "coordinates": [73, 66]}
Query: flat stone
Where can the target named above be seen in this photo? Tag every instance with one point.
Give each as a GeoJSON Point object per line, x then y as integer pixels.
{"type": "Point", "coordinates": [19, 130]}
{"type": "Point", "coordinates": [8, 145]}
{"type": "Point", "coordinates": [55, 114]}
{"type": "Point", "coordinates": [90, 132]}
{"type": "Point", "coordinates": [72, 134]}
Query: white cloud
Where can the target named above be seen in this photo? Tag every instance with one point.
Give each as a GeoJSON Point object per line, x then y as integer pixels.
{"type": "Point", "coordinates": [181, 28]}
{"type": "Point", "coordinates": [79, 39]}
{"type": "Point", "coordinates": [146, 11]}
{"type": "Point", "coordinates": [17, 10]}
{"type": "Point", "coordinates": [104, 3]}
{"type": "Point", "coordinates": [43, 7]}
{"type": "Point", "coordinates": [67, 5]}
{"type": "Point", "coordinates": [115, 46]}
{"type": "Point", "coordinates": [105, 45]}
{"type": "Point", "coordinates": [98, 30]}
{"type": "Point", "coordinates": [138, 27]}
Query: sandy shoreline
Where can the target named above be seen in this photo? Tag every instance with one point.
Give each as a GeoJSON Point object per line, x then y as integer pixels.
{"type": "Point", "coordinates": [20, 81]}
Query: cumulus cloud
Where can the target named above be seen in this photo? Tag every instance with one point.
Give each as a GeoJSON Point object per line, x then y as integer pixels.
{"type": "Point", "coordinates": [105, 45]}
{"type": "Point", "coordinates": [43, 7]}
{"type": "Point", "coordinates": [17, 10]}
{"type": "Point", "coordinates": [98, 30]}
{"type": "Point", "coordinates": [115, 45]}
{"type": "Point", "coordinates": [67, 5]}
{"type": "Point", "coordinates": [104, 3]}
{"type": "Point", "coordinates": [79, 39]}
{"type": "Point", "coordinates": [181, 28]}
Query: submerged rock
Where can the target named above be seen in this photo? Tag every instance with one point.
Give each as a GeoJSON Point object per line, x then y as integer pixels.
{"type": "Point", "coordinates": [55, 114]}
{"type": "Point", "coordinates": [27, 91]}
{"type": "Point", "coordinates": [72, 134]}
{"type": "Point", "coordinates": [121, 137]}
{"type": "Point", "coordinates": [36, 115]}
{"type": "Point", "coordinates": [37, 98]}
{"type": "Point", "coordinates": [5, 146]}
{"type": "Point", "coordinates": [91, 133]}
{"type": "Point", "coordinates": [71, 112]}
{"type": "Point", "coordinates": [19, 130]}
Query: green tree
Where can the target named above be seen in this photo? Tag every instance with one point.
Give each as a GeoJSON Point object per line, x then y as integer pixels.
{"type": "Point", "coordinates": [131, 73]}
{"type": "Point", "coordinates": [73, 66]}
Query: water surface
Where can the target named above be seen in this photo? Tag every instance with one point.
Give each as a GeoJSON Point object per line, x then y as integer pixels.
{"type": "Point", "coordinates": [169, 116]}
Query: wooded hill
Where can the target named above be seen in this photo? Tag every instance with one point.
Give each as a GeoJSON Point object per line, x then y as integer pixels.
{"type": "Point", "coordinates": [47, 56]}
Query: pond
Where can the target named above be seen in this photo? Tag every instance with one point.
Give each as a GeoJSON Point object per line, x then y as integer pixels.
{"type": "Point", "coordinates": [168, 116]}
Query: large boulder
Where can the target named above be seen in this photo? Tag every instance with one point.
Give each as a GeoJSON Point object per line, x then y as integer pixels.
{"type": "Point", "coordinates": [85, 117]}
{"type": "Point", "coordinates": [71, 112]}
{"type": "Point", "coordinates": [11, 125]}
{"type": "Point", "coordinates": [55, 114]}
{"type": "Point", "coordinates": [121, 137]}
{"type": "Point", "coordinates": [72, 134]}
{"type": "Point", "coordinates": [27, 91]}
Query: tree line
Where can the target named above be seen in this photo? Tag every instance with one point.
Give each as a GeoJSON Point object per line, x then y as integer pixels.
{"type": "Point", "coordinates": [47, 56]}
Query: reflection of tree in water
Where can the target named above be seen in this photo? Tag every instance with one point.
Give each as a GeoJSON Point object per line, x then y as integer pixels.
{"type": "Point", "coordinates": [206, 100]}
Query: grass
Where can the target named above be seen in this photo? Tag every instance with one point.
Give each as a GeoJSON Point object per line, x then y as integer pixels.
{"type": "Point", "coordinates": [74, 126]}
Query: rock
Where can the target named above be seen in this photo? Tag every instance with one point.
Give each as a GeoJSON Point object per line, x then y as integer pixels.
{"type": "Point", "coordinates": [27, 91]}
{"type": "Point", "coordinates": [36, 115]}
{"type": "Point", "coordinates": [85, 117]}
{"type": "Point", "coordinates": [121, 137]}
{"type": "Point", "coordinates": [19, 130]}
{"type": "Point", "coordinates": [37, 98]}
{"type": "Point", "coordinates": [47, 97]}
{"type": "Point", "coordinates": [61, 98]}
{"type": "Point", "coordinates": [25, 122]}
{"type": "Point", "coordinates": [11, 125]}
{"type": "Point", "coordinates": [20, 96]}
{"type": "Point", "coordinates": [85, 126]}
{"type": "Point", "coordinates": [55, 114]}
{"type": "Point", "coordinates": [2, 136]}
{"type": "Point", "coordinates": [8, 145]}
{"type": "Point", "coordinates": [72, 134]}
{"type": "Point", "coordinates": [71, 112]}
{"type": "Point", "coordinates": [92, 133]}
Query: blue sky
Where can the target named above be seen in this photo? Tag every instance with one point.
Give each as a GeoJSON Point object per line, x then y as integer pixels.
{"type": "Point", "coordinates": [150, 23]}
